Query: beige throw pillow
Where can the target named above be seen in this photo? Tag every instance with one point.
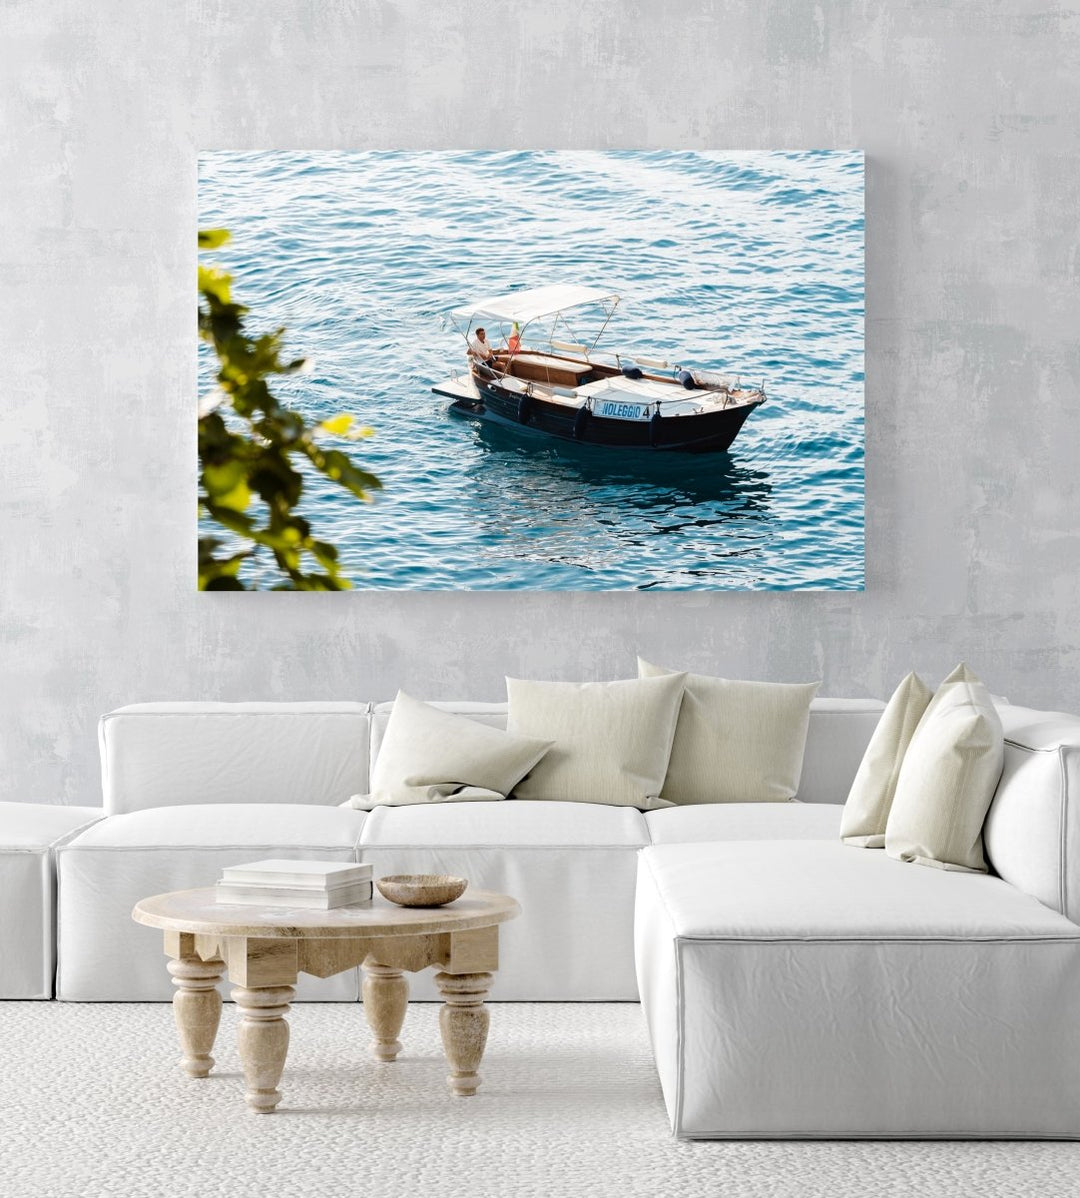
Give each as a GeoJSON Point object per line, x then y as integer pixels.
{"type": "Point", "coordinates": [867, 808]}
{"type": "Point", "coordinates": [612, 739]}
{"type": "Point", "coordinates": [433, 756]}
{"type": "Point", "coordinates": [948, 778]}
{"type": "Point", "coordinates": [736, 742]}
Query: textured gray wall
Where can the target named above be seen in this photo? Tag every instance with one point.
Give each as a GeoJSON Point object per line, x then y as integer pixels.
{"type": "Point", "coordinates": [968, 113]}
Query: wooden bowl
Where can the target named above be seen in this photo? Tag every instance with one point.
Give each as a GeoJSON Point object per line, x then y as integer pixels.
{"type": "Point", "coordinates": [421, 890]}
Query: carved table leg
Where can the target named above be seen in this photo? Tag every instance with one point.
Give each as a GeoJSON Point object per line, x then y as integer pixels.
{"type": "Point", "coordinates": [197, 1010]}
{"type": "Point", "coordinates": [263, 1040]}
{"type": "Point", "coordinates": [386, 998]}
{"type": "Point", "coordinates": [463, 1022]}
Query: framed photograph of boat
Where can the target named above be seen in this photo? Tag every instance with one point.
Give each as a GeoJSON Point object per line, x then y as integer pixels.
{"type": "Point", "coordinates": [625, 370]}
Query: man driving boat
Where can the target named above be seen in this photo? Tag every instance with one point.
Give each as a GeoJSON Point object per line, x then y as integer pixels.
{"type": "Point", "coordinates": [480, 348]}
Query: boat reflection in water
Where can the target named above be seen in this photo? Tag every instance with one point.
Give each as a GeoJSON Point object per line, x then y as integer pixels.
{"type": "Point", "coordinates": [571, 508]}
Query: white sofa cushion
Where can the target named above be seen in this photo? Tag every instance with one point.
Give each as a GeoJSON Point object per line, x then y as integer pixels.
{"type": "Point", "coordinates": [429, 755]}
{"type": "Point", "coordinates": [533, 823]}
{"type": "Point", "coordinates": [174, 754]}
{"type": "Point", "coordinates": [736, 742]}
{"type": "Point", "coordinates": [1032, 830]}
{"type": "Point", "coordinates": [103, 872]}
{"type": "Point", "coordinates": [612, 740]}
{"type": "Point", "coordinates": [866, 811]}
{"type": "Point", "coordinates": [801, 989]}
{"type": "Point", "coordinates": [570, 865]}
{"type": "Point", "coordinates": [703, 822]}
{"type": "Point", "coordinates": [947, 778]}
{"type": "Point", "coordinates": [227, 825]}
{"type": "Point", "coordinates": [31, 827]}
{"type": "Point", "coordinates": [806, 889]}
{"type": "Point", "coordinates": [29, 835]}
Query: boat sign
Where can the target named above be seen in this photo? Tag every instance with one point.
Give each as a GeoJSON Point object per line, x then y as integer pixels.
{"type": "Point", "coordinates": [615, 409]}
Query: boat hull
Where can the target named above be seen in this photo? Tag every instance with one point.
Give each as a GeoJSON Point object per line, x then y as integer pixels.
{"type": "Point", "coordinates": [705, 432]}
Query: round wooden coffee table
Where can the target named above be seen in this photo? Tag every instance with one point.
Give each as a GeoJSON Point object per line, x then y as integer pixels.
{"type": "Point", "coordinates": [264, 948]}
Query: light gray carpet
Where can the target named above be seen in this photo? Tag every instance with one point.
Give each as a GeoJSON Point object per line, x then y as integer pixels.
{"type": "Point", "coordinates": [92, 1103]}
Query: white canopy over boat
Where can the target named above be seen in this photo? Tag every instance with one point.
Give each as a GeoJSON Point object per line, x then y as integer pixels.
{"type": "Point", "coordinates": [534, 302]}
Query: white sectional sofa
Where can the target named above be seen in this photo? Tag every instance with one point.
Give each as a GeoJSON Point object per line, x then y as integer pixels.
{"type": "Point", "coordinates": [792, 985]}
{"type": "Point", "coordinates": [189, 787]}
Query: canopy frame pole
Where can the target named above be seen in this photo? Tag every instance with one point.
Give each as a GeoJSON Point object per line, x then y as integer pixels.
{"type": "Point", "coordinates": [575, 339]}
{"type": "Point", "coordinates": [464, 334]}
{"type": "Point", "coordinates": [607, 320]}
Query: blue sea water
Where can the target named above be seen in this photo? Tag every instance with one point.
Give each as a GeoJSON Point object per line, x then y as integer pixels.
{"type": "Point", "coordinates": [746, 263]}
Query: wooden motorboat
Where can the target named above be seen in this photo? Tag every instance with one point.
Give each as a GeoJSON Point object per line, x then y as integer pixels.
{"type": "Point", "coordinates": [570, 389]}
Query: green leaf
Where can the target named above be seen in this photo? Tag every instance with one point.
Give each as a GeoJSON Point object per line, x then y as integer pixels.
{"type": "Point", "coordinates": [340, 468]}
{"type": "Point", "coordinates": [250, 444]}
{"type": "Point", "coordinates": [215, 284]}
{"type": "Point", "coordinates": [233, 520]}
{"type": "Point", "coordinates": [227, 484]}
{"type": "Point", "coordinates": [210, 239]}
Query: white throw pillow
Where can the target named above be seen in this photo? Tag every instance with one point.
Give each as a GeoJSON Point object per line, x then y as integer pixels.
{"type": "Point", "coordinates": [948, 778]}
{"type": "Point", "coordinates": [433, 756]}
{"type": "Point", "coordinates": [867, 808]}
{"type": "Point", "coordinates": [737, 742]}
{"type": "Point", "coordinates": [612, 739]}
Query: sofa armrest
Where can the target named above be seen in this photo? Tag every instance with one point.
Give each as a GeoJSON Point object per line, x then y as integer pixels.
{"type": "Point", "coordinates": [1032, 831]}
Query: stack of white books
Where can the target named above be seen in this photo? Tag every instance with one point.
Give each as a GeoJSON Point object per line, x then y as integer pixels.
{"type": "Point", "coordinates": [318, 885]}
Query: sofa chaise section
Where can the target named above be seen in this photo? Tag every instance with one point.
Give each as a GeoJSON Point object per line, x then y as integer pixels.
{"type": "Point", "coordinates": [809, 989]}
{"type": "Point", "coordinates": [103, 872]}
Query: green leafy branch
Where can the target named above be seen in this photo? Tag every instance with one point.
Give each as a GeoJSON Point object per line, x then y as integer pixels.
{"type": "Point", "coordinates": [248, 441]}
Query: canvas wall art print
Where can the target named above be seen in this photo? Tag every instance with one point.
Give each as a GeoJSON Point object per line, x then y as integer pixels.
{"type": "Point", "coordinates": [531, 371]}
